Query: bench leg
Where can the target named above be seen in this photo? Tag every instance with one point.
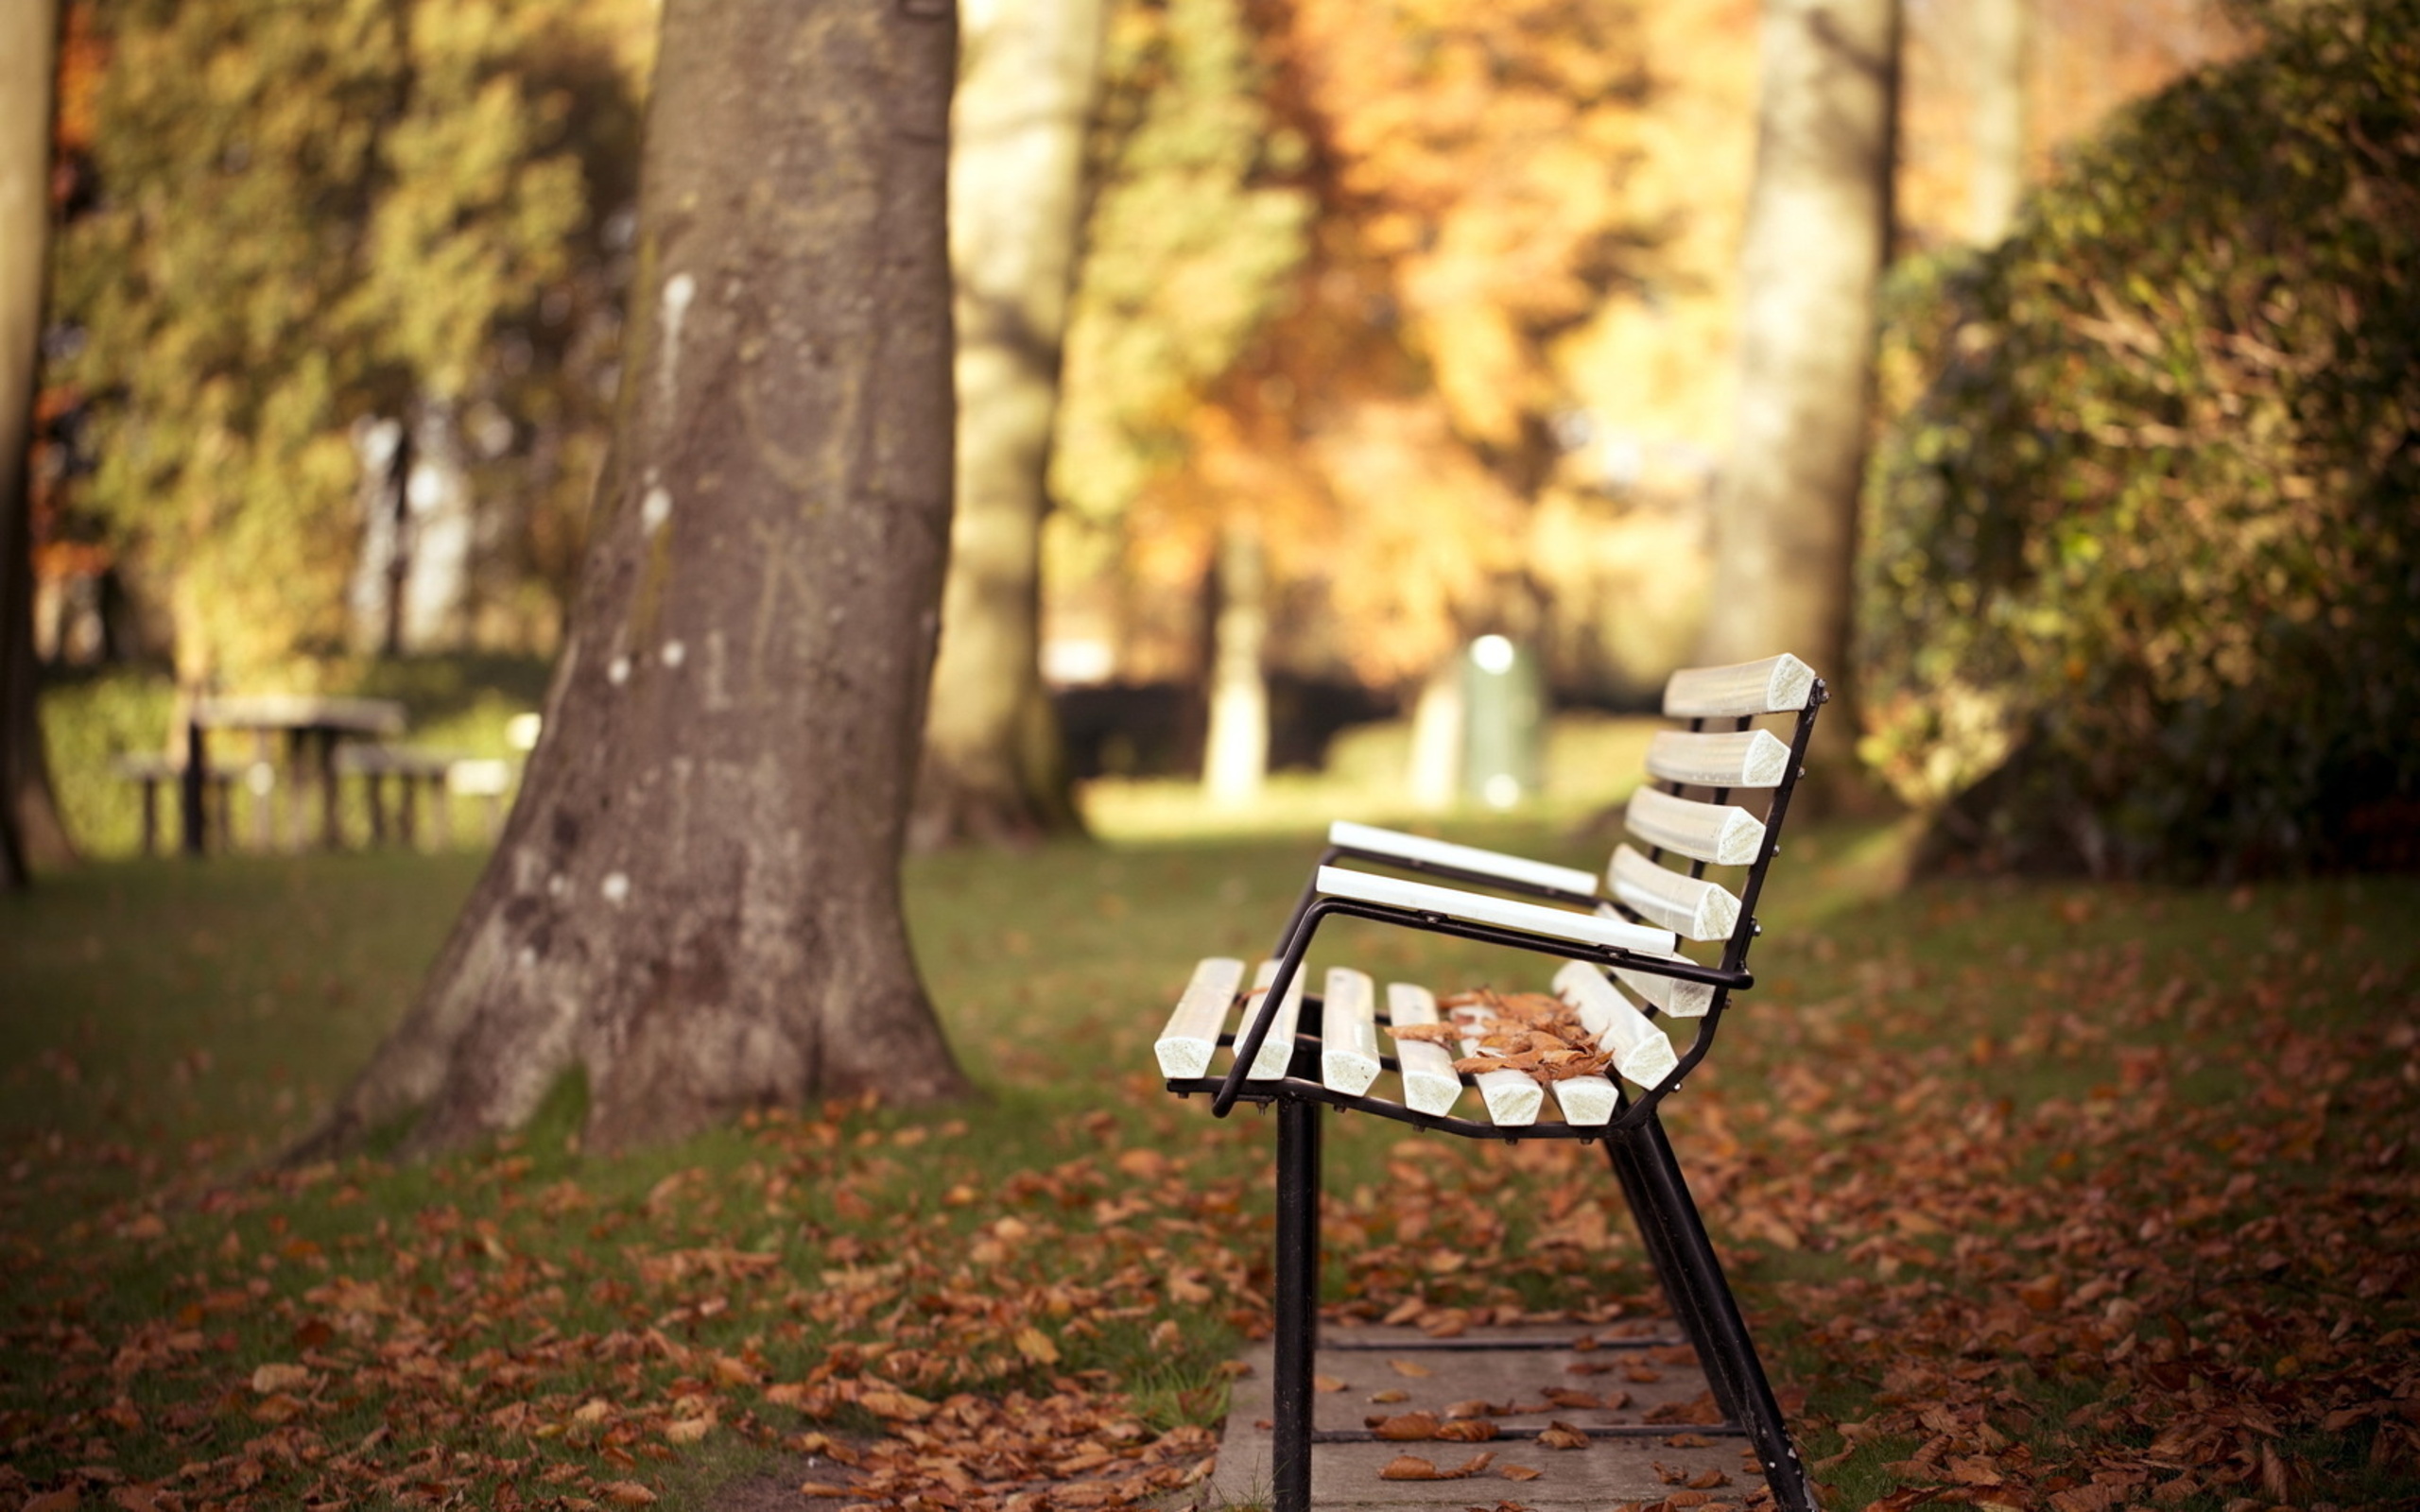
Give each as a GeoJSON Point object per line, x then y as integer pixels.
{"type": "Point", "coordinates": [1297, 1286]}
{"type": "Point", "coordinates": [1693, 1282]}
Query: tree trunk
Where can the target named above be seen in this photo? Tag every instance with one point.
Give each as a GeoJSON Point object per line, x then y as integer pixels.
{"type": "Point", "coordinates": [1816, 240]}
{"type": "Point", "coordinates": [1236, 758]}
{"type": "Point", "coordinates": [1995, 54]}
{"type": "Point", "coordinates": [994, 764]}
{"type": "Point", "coordinates": [30, 832]}
{"type": "Point", "coordinates": [696, 901]}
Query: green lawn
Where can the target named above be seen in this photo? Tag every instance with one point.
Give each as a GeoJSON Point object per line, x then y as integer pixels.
{"type": "Point", "coordinates": [2040, 1195]}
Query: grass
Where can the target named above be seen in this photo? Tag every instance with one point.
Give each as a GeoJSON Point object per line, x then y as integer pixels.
{"type": "Point", "coordinates": [1976, 1151]}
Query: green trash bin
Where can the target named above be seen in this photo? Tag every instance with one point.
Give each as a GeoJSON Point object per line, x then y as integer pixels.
{"type": "Point", "coordinates": [1503, 722]}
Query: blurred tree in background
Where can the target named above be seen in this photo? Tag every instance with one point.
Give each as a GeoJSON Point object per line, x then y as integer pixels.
{"type": "Point", "coordinates": [993, 764]}
{"type": "Point", "coordinates": [2140, 589]}
{"type": "Point", "coordinates": [30, 832]}
{"type": "Point", "coordinates": [307, 214]}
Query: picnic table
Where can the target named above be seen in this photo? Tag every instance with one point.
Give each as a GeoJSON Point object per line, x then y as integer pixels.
{"type": "Point", "coordinates": [311, 730]}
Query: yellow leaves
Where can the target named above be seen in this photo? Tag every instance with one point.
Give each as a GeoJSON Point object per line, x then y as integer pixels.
{"type": "Point", "coordinates": [1036, 1346]}
{"type": "Point", "coordinates": [905, 1406]}
{"type": "Point", "coordinates": [280, 1377]}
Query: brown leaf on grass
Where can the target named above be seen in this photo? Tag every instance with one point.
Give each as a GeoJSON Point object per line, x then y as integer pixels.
{"type": "Point", "coordinates": [1908, 1496]}
{"type": "Point", "coordinates": [1560, 1434]}
{"type": "Point", "coordinates": [626, 1493]}
{"type": "Point", "coordinates": [818, 1488]}
{"type": "Point", "coordinates": [63, 1500]}
{"type": "Point", "coordinates": [278, 1407]}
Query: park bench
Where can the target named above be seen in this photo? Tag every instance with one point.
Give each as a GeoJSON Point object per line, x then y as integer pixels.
{"type": "Point", "coordinates": [152, 773]}
{"type": "Point", "coordinates": [411, 771]}
{"type": "Point", "coordinates": [1626, 972]}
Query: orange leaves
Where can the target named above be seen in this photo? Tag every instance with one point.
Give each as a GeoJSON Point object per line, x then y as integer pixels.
{"type": "Point", "coordinates": [1531, 1032]}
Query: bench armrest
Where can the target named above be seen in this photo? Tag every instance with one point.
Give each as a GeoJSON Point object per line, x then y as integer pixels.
{"type": "Point", "coordinates": [1369, 841]}
{"type": "Point", "coordinates": [1554, 923]}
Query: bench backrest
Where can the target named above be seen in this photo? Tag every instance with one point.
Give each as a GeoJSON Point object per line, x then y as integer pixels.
{"type": "Point", "coordinates": [1719, 788]}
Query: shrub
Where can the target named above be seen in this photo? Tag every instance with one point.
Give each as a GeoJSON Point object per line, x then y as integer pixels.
{"type": "Point", "coordinates": [2138, 590]}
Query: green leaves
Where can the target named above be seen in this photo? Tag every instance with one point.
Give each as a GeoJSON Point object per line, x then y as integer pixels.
{"type": "Point", "coordinates": [2139, 495]}
{"type": "Point", "coordinates": [309, 212]}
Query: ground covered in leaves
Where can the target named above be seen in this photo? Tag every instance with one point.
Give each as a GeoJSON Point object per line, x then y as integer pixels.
{"type": "Point", "coordinates": [2040, 1197]}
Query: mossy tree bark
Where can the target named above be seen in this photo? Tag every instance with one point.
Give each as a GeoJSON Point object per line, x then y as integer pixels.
{"type": "Point", "coordinates": [994, 764]}
{"type": "Point", "coordinates": [696, 901]}
{"type": "Point", "coordinates": [30, 832]}
{"type": "Point", "coordinates": [1817, 237]}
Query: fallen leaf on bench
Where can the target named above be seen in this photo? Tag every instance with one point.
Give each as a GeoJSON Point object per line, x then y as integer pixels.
{"type": "Point", "coordinates": [1405, 1312]}
{"type": "Point", "coordinates": [1407, 1427]}
{"type": "Point", "coordinates": [1707, 1479]}
{"type": "Point", "coordinates": [1409, 1368]}
{"type": "Point", "coordinates": [1476, 1462]}
{"type": "Point", "coordinates": [1474, 1407]}
{"type": "Point", "coordinates": [1390, 1394]}
{"type": "Point", "coordinates": [1520, 1473]}
{"type": "Point", "coordinates": [1560, 1434]}
{"type": "Point", "coordinates": [1467, 1431]}
{"type": "Point", "coordinates": [1565, 1396]}
{"type": "Point", "coordinates": [1688, 1441]}
{"type": "Point", "coordinates": [1326, 1384]}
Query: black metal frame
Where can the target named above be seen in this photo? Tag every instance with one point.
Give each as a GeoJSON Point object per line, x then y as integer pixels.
{"type": "Point", "coordinates": [1637, 1148]}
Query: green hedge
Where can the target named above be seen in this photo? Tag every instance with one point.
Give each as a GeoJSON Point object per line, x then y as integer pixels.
{"type": "Point", "coordinates": [2139, 580]}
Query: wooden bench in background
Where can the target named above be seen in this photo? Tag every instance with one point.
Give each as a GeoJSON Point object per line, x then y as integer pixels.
{"type": "Point", "coordinates": [1633, 970]}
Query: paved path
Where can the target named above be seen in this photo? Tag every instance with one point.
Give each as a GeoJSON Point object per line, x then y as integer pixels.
{"type": "Point", "coordinates": [1650, 1462]}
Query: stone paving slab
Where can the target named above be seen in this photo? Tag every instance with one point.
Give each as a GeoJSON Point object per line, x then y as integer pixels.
{"type": "Point", "coordinates": [1514, 1365]}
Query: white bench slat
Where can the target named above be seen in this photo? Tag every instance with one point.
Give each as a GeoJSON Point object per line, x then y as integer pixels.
{"type": "Point", "coordinates": [1534, 919]}
{"type": "Point", "coordinates": [1277, 1051]}
{"type": "Point", "coordinates": [1587, 1099]}
{"type": "Point", "coordinates": [1430, 1085]}
{"type": "Point", "coordinates": [1777, 684]}
{"type": "Point", "coordinates": [1747, 758]}
{"type": "Point", "coordinates": [1461, 857]}
{"type": "Point", "coordinates": [1682, 999]}
{"type": "Point", "coordinates": [1512, 1097]}
{"type": "Point", "coordinates": [1725, 834]}
{"type": "Point", "coordinates": [1191, 1037]}
{"type": "Point", "coordinates": [1691, 906]}
{"type": "Point", "coordinates": [1641, 1052]}
{"type": "Point", "coordinates": [1349, 1032]}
